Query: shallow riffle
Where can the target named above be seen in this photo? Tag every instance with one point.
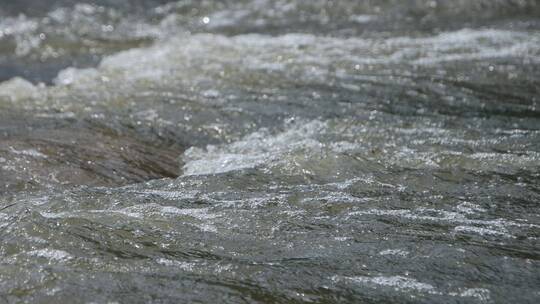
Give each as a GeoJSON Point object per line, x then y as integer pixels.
{"type": "Point", "coordinates": [241, 152]}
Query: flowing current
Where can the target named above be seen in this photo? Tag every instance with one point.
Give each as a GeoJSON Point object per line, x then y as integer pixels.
{"type": "Point", "coordinates": [259, 151]}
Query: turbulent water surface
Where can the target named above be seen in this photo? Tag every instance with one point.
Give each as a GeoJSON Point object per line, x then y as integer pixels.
{"type": "Point", "coordinates": [259, 151]}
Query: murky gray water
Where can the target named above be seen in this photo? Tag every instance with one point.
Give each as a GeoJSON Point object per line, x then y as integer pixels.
{"type": "Point", "coordinates": [270, 151]}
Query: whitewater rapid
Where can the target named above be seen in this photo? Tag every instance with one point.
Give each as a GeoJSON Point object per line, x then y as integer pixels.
{"type": "Point", "coordinates": [270, 152]}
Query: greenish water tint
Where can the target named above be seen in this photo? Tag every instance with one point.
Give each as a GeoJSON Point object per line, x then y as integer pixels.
{"type": "Point", "coordinates": [270, 151]}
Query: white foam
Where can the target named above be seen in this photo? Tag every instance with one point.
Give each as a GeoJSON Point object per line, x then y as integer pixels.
{"type": "Point", "coordinates": [176, 264]}
{"type": "Point", "coordinates": [362, 19]}
{"type": "Point", "coordinates": [396, 252]}
{"type": "Point", "coordinates": [23, 30]}
{"type": "Point", "coordinates": [17, 88]}
{"type": "Point", "coordinates": [28, 152]}
{"type": "Point", "coordinates": [407, 284]}
{"type": "Point", "coordinates": [70, 76]}
{"type": "Point", "coordinates": [253, 150]}
{"type": "Point", "coordinates": [151, 209]}
{"type": "Point", "coordinates": [469, 208]}
{"type": "Point", "coordinates": [141, 211]}
{"type": "Point", "coordinates": [482, 231]}
{"type": "Point", "coordinates": [399, 283]}
{"type": "Point", "coordinates": [51, 254]}
{"type": "Point", "coordinates": [197, 58]}
{"type": "Point", "coordinates": [170, 195]}
{"type": "Point", "coordinates": [479, 293]}
{"type": "Point", "coordinates": [464, 224]}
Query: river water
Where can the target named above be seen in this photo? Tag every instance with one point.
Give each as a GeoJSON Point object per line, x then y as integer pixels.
{"type": "Point", "coordinates": [258, 151]}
